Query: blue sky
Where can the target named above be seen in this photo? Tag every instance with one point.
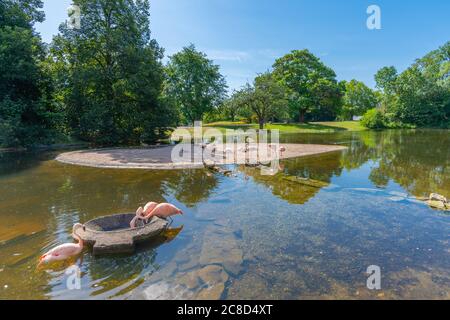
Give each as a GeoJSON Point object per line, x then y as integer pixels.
{"type": "Point", "coordinates": [245, 36]}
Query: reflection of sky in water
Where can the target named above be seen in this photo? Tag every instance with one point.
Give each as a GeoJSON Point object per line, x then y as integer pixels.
{"type": "Point", "coordinates": [248, 236]}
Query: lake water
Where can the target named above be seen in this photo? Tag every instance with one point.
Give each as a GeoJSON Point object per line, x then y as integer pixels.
{"type": "Point", "coordinates": [242, 237]}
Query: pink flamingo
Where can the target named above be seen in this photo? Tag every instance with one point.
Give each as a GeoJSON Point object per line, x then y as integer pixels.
{"type": "Point", "coordinates": [164, 211]}
{"type": "Point", "coordinates": [139, 216]}
{"type": "Point", "coordinates": [141, 213]}
{"type": "Point", "coordinates": [149, 207]}
{"type": "Point", "coordinates": [66, 250]}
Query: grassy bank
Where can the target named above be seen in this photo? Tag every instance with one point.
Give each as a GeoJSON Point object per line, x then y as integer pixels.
{"type": "Point", "coordinates": [312, 127]}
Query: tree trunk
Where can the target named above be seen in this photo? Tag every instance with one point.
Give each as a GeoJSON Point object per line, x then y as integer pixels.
{"type": "Point", "coordinates": [302, 116]}
{"type": "Point", "coordinates": [261, 124]}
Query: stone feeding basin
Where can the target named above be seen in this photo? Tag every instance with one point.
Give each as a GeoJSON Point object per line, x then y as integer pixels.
{"type": "Point", "coordinates": [113, 235]}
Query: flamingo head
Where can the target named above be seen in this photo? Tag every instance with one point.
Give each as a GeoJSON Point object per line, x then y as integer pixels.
{"type": "Point", "coordinates": [77, 226]}
{"type": "Point", "coordinates": [140, 212]}
{"type": "Point", "coordinates": [44, 259]}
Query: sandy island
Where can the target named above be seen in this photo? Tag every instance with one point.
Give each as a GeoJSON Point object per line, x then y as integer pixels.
{"type": "Point", "coordinates": [159, 158]}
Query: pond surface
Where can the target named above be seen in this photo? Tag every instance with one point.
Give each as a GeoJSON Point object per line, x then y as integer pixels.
{"type": "Point", "coordinates": [242, 237]}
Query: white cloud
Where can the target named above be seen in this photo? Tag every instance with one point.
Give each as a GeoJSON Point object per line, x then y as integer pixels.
{"type": "Point", "coordinates": [228, 55]}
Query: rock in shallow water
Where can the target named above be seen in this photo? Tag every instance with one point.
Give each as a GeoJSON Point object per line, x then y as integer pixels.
{"type": "Point", "coordinates": [208, 282]}
{"type": "Point", "coordinates": [437, 204]}
{"type": "Point", "coordinates": [438, 197]}
{"type": "Point", "coordinates": [221, 247]}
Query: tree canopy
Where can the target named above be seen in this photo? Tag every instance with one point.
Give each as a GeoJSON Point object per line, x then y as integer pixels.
{"type": "Point", "coordinates": [305, 78]}
{"type": "Point", "coordinates": [110, 74]}
{"type": "Point", "coordinates": [195, 83]}
{"type": "Point", "coordinates": [358, 99]}
{"type": "Point", "coordinates": [26, 111]}
{"type": "Point", "coordinates": [419, 96]}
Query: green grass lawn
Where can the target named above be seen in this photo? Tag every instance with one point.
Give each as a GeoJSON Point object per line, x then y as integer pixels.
{"type": "Point", "coordinates": [312, 127]}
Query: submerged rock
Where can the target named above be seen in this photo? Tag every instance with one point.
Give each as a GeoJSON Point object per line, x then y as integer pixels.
{"type": "Point", "coordinates": [307, 182]}
{"type": "Point", "coordinates": [212, 275]}
{"type": "Point", "coordinates": [208, 282]}
{"type": "Point", "coordinates": [437, 201]}
{"type": "Point", "coordinates": [438, 197]}
{"type": "Point", "coordinates": [221, 247]}
{"type": "Point", "coordinates": [437, 204]}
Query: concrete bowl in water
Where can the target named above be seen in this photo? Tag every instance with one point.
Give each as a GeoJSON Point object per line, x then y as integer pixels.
{"type": "Point", "coordinates": [112, 234]}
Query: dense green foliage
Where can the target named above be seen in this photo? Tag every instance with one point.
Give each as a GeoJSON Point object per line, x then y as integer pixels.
{"type": "Point", "coordinates": [358, 99]}
{"type": "Point", "coordinates": [110, 76]}
{"type": "Point", "coordinates": [373, 119]}
{"type": "Point", "coordinates": [194, 83]}
{"type": "Point", "coordinates": [265, 99]}
{"type": "Point", "coordinates": [419, 96]}
{"type": "Point", "coordinates": [26, 111]}
{"type": "Point", "coordinates": [311, 87]}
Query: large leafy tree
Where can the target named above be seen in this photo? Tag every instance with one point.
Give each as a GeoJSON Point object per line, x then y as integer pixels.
{"type": "Point", "coordinates": [302, 73]}
{"type": "Point", "coordinates": [110, 74]}
{"type": "Point", "coordinates": [230, 108]}
{"type": "Point", "coordinates": [268, 99]}
{"type": "Point", "coordinates": [358, 99]}
{"type": "Point", "coordinates": [264, 99]}
{"type": "Point", "coordinates": [419, 96]}
{"type": "Point", "coordinates": [26, 112]}
{"type": "Point", "coordinates": [385, 79]}
{"type": "Point", "coordinates": [195, 83]}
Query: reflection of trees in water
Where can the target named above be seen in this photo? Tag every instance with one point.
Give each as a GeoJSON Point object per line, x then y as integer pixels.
{"type": "Point", "coordinates": [360, 150]}
{"type": "Point", "coordinates": [417, 160]}
{"type": "Point", "coordinates": [284, 185]}
{"type": "Point", "coordinates": [192, 186]}
{"type": "Point", "coordinates": [13, 162]}
{"type": "Point", "coordinates": [95, 191]}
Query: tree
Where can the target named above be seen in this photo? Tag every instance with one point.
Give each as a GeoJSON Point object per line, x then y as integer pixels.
{"type": "Point", "coordinates": [265, 99]}
{"type": "Point", "coordinates": [230, 107]}
{"type": "Point", "coordinates": [419, 96]}
{"type": "Point", "coordinates": [300, 73]}
{"type": "Point", "coordinates": [327, 100]}
{"type": "Point", "coordinates": [195, 83]}
{"type": "Point", "coordinates": [358, 99]}
{"type": "Point", "coordinates": [110, 74]}
{"type": "Point", "coordinates": [26, 111]}
{"type": "Point", "coordinates": [268, 98]}
{"type": "Point", "coordinates": [385, 79]}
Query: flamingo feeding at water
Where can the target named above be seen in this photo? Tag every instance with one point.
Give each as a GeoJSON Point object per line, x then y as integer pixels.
{"type": "Point", "coordinates": [164, 211]}
{"type": "Point", "coordinates": [65, 251]}
{"type": "Point", "coordinates": [139, 216]}
{"type": "Point", "coordinates": [141, 213]}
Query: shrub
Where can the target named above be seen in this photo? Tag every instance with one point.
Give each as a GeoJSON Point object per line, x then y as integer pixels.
{"type": "Point", "coordinates": [373, 119]}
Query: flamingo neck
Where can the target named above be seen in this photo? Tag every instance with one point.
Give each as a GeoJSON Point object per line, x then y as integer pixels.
{"type": "Point", "coordinates": [80, 241]}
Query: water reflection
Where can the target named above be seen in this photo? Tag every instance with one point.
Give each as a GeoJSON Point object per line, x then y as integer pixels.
{"type": "Point", "coordinates": [308, 232]}
{"type": "Point", "coordinates": [300, 179]}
